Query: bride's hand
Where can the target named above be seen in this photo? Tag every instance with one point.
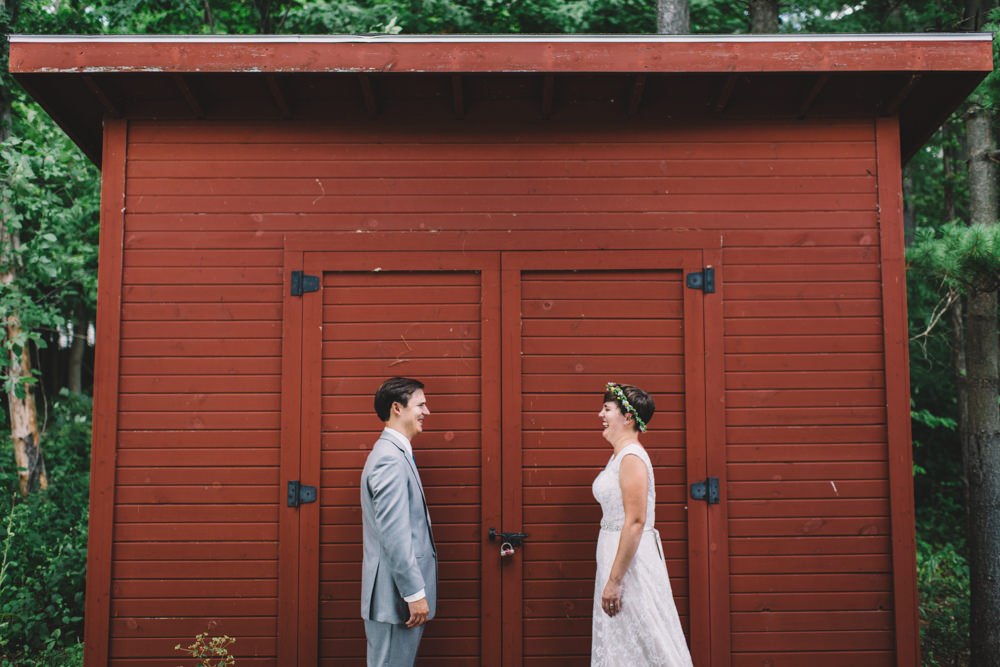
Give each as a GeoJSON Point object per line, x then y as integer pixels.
{"type": "Point", "coordinates": [611, 598]}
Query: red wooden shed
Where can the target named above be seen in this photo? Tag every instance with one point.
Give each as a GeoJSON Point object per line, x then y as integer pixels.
{"type": "Point", "coordinates": [286, 221]}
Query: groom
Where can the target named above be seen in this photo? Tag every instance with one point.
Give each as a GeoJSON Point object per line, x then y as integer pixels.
{"type": "Point", "coordinates": [399, 571]}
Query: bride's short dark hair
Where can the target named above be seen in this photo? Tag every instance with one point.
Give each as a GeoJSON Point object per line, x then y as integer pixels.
{"type": "Point", "coordinates": [643, 403]}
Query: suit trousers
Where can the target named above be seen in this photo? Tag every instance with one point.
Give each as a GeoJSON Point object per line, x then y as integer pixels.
{"type": "Point", "coordinates": [391, 645]}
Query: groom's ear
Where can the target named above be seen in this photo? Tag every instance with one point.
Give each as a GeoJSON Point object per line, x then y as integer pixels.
{"type": "Point", "coordinates": [397, 407]}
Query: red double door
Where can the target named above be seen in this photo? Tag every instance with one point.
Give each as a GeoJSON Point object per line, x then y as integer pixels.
{"type": "Point", "coordinates": [514, 348]}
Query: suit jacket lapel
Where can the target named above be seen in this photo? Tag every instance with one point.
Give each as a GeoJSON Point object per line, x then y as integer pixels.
{"type": "Point", "coordinates": [406, 455]}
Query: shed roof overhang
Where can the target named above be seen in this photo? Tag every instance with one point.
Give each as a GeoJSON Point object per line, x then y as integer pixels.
{"type": "Point", "coordinates": [922, 78]}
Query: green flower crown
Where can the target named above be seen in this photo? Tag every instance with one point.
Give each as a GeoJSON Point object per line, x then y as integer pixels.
{"type": "Point", "coordinates": [620, 395]}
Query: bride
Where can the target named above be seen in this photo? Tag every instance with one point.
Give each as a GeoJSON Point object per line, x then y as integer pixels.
{"type": "Point", "coordinates": [635, 620]}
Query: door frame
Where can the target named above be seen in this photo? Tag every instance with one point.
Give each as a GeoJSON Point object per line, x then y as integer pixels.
{"type": "Point", "coordinates": [298, 549]}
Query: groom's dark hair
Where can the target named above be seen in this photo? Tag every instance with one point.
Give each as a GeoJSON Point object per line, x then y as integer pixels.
{"type": "Point", "coordinates": [394, 390]}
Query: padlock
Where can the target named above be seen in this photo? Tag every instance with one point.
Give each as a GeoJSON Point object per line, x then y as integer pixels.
{"type": "Point", "coordinates": [506, 550]}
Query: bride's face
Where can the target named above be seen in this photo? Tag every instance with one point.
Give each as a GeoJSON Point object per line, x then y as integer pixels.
{"type": "Point", "coordinates": [614, 422]}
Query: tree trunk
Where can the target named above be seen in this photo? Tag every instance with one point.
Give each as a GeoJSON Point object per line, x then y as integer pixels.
{"type": "Point", "coordinates": [209, 18]}
{"type": "Point", "coordinates": [23, 415]}
{"type": "Point", "coordinates": [74, 379]}
{"type": "Point", "coordinates": [975, 14]}
{"type": "Point", "coordinates": [763, 17]}
{"type": "Point", "coordinates": [267, 10]}
{"type": "Point", "coordinates": [673, 17]}
{"type": "Point", "coordinates": [982, 173]}
{"type": "Point", "coordinates": [31, 475]}
{"type": "Point", "coordinates": [948, 175]}
{"type": "Point", "coordinates": [982, 451]}
{"type": "Point", "coordinates": [981, 447]}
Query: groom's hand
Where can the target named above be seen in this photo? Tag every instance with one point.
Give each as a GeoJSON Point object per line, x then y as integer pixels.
{"type": "Point", "coordinates": [419, 611]}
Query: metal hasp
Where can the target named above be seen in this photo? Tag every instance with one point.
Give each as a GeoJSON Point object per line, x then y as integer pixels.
{"type": "Point", "coordinates": [703, 280]}
{"type": "Point", "coordinates": [300, 494]}
{"type": "Point", "coordinates": [301, 283]}
{"type": "Point", "coordinates": [513, 539]}
{"type": "Point", "coordinates": [707, 490]}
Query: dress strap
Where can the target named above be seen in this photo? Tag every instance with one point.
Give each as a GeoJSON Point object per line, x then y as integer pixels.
{"type": "Point", "coordinates": [637, 449]}
{"type": "Point", "coordinates": [634, 448]}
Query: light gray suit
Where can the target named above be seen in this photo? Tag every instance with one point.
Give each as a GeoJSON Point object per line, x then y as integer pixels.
{"type": "Point", "coordinates": [399, 554]}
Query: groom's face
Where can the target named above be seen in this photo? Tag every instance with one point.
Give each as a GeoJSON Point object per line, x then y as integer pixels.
{"type": "Point", "coordinates": [411, 416]}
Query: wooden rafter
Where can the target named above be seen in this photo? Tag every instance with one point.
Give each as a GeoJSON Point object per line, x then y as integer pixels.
{"type": "Point", "coordinates": [904, 92]}
{"type": "Point", "coordinates": [279, 97]}
{"type": "Point", "coordinates": [192, 101]}
{"type": "Point", "coordinates": [109, 106]}
{"type": "Point", "coordinates": [548, 89]}
{"type": "Point", "coordinates": [457, 97]}
{"type": "Point", "coordinates": [638, 86]}
{"type": "Point", "coordinates": [814, 92]}
{"type": "Point", "coordinates": [727, 92]}
{"type": "Point", "coordinates": [368, 94]}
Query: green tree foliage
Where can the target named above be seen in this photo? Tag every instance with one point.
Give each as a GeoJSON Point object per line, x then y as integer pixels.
{"type": "Point", "coordinates": [836, 16]}
{"type": "Point", "coordinates": [474, 16]}
{"type": "Point", "coordinates": [49, 194]}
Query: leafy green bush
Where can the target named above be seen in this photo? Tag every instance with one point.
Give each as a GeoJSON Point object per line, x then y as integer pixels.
{"type": "Point", "coordinates": [943, 580]}
{"type": "Point", "coordinates": [71, 656]}
{"type": "Point", "coordinates": [42, 593]}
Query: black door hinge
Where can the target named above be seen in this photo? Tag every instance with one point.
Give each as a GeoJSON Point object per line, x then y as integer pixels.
{"type": "Point", "coordinates": [300, 494]}
{"type": "Point", "coordinates": [707, 490]}
{"type": "Point", "coordinates": [301, 283]}
{"type": "Point", "coordinates": [703, 280]}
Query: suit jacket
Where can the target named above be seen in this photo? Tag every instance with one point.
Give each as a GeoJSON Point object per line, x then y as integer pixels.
{"type": "Point", "coordinates": [399, 553]}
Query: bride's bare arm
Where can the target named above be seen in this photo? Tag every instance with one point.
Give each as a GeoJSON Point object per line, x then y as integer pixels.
{"type": "Point", "coordinates": [632, 477]}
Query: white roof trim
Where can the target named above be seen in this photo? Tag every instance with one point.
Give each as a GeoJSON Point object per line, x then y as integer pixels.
{"type": "Point", "coordinates": [503, 39]}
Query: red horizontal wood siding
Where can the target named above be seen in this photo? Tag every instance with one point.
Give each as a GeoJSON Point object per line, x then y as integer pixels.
{"type": "Point", "coordinates": [195, 538]}
{"type": "Point", "coordinates": [208, 205]}
{"type": "Point", "coordinates": [810, 550]}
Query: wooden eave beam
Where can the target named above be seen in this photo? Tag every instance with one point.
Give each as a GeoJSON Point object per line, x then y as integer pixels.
{"type": "Point", "coordinates": [471, 54]}
{"type": "Point", "coordinates": [109, 106]}
{"type": "Point", "coordinates": [548, 91]}
{"type": "Point", "coordinates": [904, 92]}
{"type": "Point", "coordinates": [368, 95]}
{"type": "Point", "coordinates": [638, 87]}
{"type": "Point", "coordinates": [814, 92]}
{"type": "Point", "coordinates": [189, 97]}
{"type": "Point", "coordinates": [279, 97]}
{"type": "Point", "coordinates": [727, 92]}
{"type": "Point", "coordinates": [457, 96]}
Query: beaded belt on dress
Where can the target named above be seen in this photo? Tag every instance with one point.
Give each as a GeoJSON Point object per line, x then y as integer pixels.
{"type": "Point", "coordinates": [607, 525]}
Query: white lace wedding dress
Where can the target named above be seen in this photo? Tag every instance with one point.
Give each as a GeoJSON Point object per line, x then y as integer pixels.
{"type": "Point", "coordinates": [646, 632]}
